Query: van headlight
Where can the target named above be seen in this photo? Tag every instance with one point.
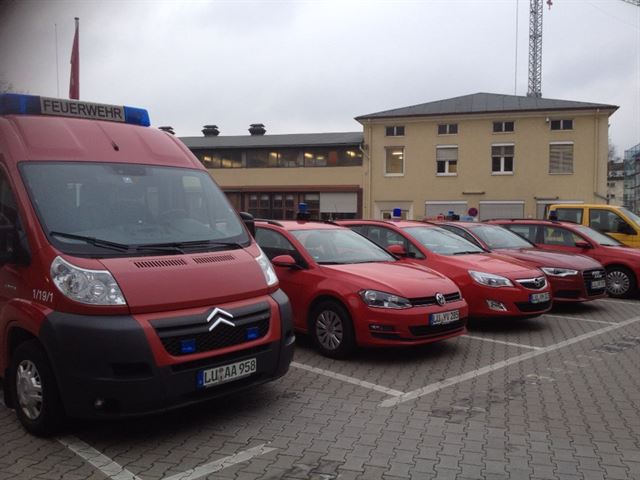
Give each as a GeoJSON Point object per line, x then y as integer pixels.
{"type": "Point", "coordinates": [559, 272]}
{"type": "Point", "coordinates": [490, 279]}
{"type": "Point", "coordinates": [93, 287]}
{"type": "Point", "coordinates": [267, 269]}
{"type": "Point", "coordinates": [374, 298]}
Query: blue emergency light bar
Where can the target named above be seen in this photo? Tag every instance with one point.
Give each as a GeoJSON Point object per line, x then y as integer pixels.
{"type": "Point", "coordinates": [18, 104]}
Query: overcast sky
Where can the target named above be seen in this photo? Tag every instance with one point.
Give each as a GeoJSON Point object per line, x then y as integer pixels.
{"type": "Point", "coordinates": [311, 66]}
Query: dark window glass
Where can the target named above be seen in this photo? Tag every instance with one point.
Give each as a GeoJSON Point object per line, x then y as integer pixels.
{"type": "Point", "coordinates": [441, 165]}
{"type": "Point", "coordinates": [567, 124]}
{"type": "Point", "coordinates": [257, 158]}
{"type": "Point", "coordinates": [560, 236]}
{"type": "Point", "coordinates": [453, 128]}
{"type": "Point", "coordinates": [400, 131]}
{"type": "Point", "coordinates": [497, 126]}
{"type": "Point", "coordinates": [222, 159]}
{"type": "Point", "coordinates": [349, 157]}
{"type": "Point", "coordinates": [508, 126]}
{"type": "Point", "coordinates": [607, 221]}
{"type": "Point", "coordinates": [556, 124]}
{"type": "Point", "coordinates": [508, 164]}
{"type": "Point", "coordinates": [495, 164]}
{"type": "Point", "coordinates": [442, 129]}
{"type": "Point", "coordinates": [390, 131]}
{"type": "Point", "coordinates": [526, 231]}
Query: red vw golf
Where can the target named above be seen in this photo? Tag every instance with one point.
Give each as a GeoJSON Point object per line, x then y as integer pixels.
{"type": "Point", "coordinates": [621, 263]}
{"type": "Point", "coordinates": [573, 278]}
{"type": "Point", "coordinates": [492, 285]}
{"type": "Point", "coordinates": [346, 291]}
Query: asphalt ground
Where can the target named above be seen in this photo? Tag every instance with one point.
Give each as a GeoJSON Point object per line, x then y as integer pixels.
{"type": "Point", "coordinates": [555, 397]}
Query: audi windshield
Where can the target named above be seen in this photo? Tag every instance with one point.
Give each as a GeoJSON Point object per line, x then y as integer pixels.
{"type": "Point", "coordinates": [106, 209]}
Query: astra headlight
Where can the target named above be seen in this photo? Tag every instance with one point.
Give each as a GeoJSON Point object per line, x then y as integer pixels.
{"type": "Point", "coordinates": [377, 299]}
{"type": "Point", "coordinates": [93, 287]}
{"type": "Point", "coordinates": [559, 272]}
{"type": "Point", "coordinates": [490, 279]}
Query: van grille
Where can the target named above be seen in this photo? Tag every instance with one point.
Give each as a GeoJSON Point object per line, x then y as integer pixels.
{"type": "Point", "coordinates": [189, 335]}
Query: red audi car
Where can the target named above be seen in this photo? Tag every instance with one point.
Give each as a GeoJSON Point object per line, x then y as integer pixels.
{"type": "Point", "coordinates": [492, 285]}
{"type": "Point", "coordinates": [573, 278]}
{"type": "Point", "coordinates": [347, 291]}
{"type": "Point", "coordinates": [621, 263]}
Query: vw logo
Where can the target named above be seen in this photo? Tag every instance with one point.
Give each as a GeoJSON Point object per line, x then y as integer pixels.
{"type": "Point", "coordinates": [218, 316]}
{"type": "Point", "coordinates": [440, 299]}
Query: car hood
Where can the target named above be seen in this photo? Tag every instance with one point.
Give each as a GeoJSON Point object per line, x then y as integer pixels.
{"type": "Point", "coordinates": [401, 279]}
{"type": "Point", "coordinates": [492, 263]}
{"type": "Point", "coordinates": [546, 258]}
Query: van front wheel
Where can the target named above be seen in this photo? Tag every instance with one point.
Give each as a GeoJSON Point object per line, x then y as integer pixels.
{"type": "Point", "coordinates": [35, 392]}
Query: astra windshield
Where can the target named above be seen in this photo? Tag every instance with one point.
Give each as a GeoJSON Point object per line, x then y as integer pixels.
{"type": "Point", "coordinates": [107, 209]}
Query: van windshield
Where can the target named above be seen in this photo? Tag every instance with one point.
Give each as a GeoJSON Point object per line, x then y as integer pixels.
{"type": "Point", "coordinates": [631, 216]}
{"type": "Point", "coordinates": [106, 209]}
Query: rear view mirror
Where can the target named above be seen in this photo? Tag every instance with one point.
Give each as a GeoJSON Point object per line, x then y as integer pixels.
{"type": "Point", "coordinates": [584, 245]}
{"type": "Point", "coordinates": [397, 250]}
{"type": "Point", "coordinates": [247, 218]}
{"type": "Point", "coordinates": [286, 261]}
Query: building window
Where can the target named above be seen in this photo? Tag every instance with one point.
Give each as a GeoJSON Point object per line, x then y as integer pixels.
{"type": "Point", "coordinates": [561, 158]}
{"type": "Point", "coordinates": [394, 162]}
{"type": "Point", "coordinates": [447, 160]}
{"type": "Point", "coordinates": [500, 127]}
{"type": "Point", "coordinates": [502, 159]}
{"type": "Point", "coordinates": [222, 159]}
{"type": "Point", "coordinates": [561, 124]}
{"type": "Point", "coordinates": [447, 129]}
{"type": "Point", "coordinates": [395, 131]}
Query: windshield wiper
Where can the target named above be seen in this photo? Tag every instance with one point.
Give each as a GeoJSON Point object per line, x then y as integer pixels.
{"type": "Point", "coordinates": [180, 246]}
{"type": "Point", "coordinates": [330, 263]}
{"type": "Point", "coordinates": [467, 252]}
{"type": "Point", "coordinates": [92, 241]}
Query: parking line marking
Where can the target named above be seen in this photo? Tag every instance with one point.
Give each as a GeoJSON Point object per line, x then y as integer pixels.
{"type": "Point", "coordinates": [222, 463]}
{"type": "Point", "coordinates": [434, 387]}
{"type": "Point", "coordinates": [345, 378]}
{"type": "Point", "coordinates": [580, 319]}
{"type": "Point", "coordinates": [624, 302]}
{"type": "Point", "coordinates": [103, 463]}
{"type": "Point", "coordinates": [493, 340]}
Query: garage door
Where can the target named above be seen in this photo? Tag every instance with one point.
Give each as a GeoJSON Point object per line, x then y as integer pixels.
{"type": "Point", "coordinates": [489, 210]}
{"type": "Point", "coordinates": [434, 208]}
{"type": "Point", "coordinates": [346, 202]}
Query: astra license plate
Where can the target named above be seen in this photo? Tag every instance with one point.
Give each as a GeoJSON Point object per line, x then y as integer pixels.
{"type": "Point", "coordinates": [444, 317]}
{"type": "Point", "coordinates": [596, 284]}
{"type": "Point", "coordinates": [226, 373]}
{"type": "Point", "coordinates": [539, 297]}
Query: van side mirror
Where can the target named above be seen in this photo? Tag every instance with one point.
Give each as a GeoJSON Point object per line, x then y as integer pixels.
{"type": "Point", "coordinates": [584, 245]}
{"type": "Point", "coordinates": [397, 250]}
{"type": "Point", "coordinates": [247, 218]}
{"type": "Point", "coordinates": [286, 261]}
{"type": "Point", "coordinates": [10, 245]}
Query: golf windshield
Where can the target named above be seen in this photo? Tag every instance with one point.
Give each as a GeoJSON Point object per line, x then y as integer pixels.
{"type": "Point", "coordinates": [441, 241]}
{"type": "Point", "coordinates": [96, 209]}
{"type": "Point", "coordinates": [333, 246]}
{"type": "Point", "coordinates": [498, 237]}
{"type": "Point", "coordinates": [598, 237]}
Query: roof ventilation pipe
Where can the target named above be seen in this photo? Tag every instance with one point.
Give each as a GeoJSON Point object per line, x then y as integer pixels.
{"type": "Point", "coordinates": [210, 131]}
{"type": "Point", "coordinates": [257, 129]}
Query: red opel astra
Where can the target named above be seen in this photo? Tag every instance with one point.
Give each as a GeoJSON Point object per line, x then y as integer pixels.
{"type": "Point", "coordinates": [573, 278]}
{"type": "Point", "coordinates": [621, 263]}
{"type": "Point", "coordinates": [347, 291]}
{"type": "Point", "coordinates": [492, 285]}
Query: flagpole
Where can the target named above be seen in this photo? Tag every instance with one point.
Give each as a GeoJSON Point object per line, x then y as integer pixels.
{"type": "Point", "coordinates": [74, 79]}
{"type": "Point", "coordinates": [55, 27]}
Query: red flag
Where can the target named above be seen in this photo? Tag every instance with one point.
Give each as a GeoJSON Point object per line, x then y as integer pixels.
{"type": "Point", "coordinates": [74, 82]}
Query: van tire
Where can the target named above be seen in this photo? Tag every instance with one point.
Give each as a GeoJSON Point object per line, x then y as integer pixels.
{"type": "Point", "coordinates": [30, 373]}
{"type": "Point", "coordinates": [621, 283]}
{"type": "Point", "coordinates": [332, 330]}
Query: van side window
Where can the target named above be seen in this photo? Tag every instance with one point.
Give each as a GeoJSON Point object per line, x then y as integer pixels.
{"type": "Point", "coordinates": [569, 214]}
{"type": "Point", "coordinates": [606, 221]}
{"type": "Point", "coordinates": [9, 216]}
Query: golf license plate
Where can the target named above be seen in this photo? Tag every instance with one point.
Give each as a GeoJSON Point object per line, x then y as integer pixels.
{"type": "Point", "coordinates": [598, 284]}
{"type": "Point", "coordinates": [539, 297]}
{"type": "Point", "coordinates": [444, 317]}
{"type": "Point", "coordinates": [226, 373]}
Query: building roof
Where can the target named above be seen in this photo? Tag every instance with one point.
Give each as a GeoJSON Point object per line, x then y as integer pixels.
{"type": "Point", "coordinates": [270, 141]}
{"type": "Point", "coordinates": [485, 103]}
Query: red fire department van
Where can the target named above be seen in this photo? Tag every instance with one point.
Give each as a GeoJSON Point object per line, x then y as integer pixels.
{"type": "Point", "coordinates": [128, 284]}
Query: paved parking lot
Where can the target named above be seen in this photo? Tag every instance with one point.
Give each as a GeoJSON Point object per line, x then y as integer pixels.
{"type": "Point", "coordinates": [552, 397]}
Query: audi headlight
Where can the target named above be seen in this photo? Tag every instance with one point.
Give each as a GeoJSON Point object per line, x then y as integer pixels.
{"type": "Point", "coordinates": [93, 287]}
{"type": "Point", "coordinates": [374, 298]}
{"type": "Point", "coordinates": [267, 269]}
{"type": "Point", "coordinates": [559, 272]}
{"type": "Point", "coordinates": [490, 280]}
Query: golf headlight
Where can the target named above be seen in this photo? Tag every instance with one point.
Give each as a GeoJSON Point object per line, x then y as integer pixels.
{"type": "Point", "coordinates": [374, 298]}
{"type": "Point", "coordinates": [93, 287]}
{"type": "Point", "coordinates": [490, 280]}
{"type": "Point", "coordinates": [559, 272]}
{"type": "Point", "coordinates": [267, 269]}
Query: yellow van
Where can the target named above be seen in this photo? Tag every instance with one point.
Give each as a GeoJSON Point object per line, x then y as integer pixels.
{"type": "Point", "coordinates": [617, 222]}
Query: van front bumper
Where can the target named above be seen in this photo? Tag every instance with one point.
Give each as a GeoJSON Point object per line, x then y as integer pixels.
{"type": "Point", "coordinates": [104, 366]}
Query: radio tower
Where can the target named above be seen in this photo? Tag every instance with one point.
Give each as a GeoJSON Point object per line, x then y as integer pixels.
{"type": "Point", "coordinates": [535, 47]}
